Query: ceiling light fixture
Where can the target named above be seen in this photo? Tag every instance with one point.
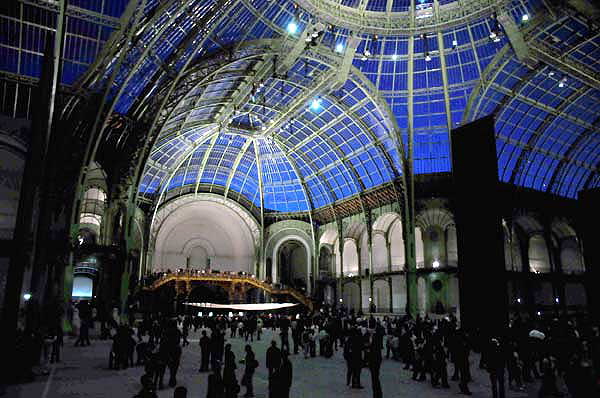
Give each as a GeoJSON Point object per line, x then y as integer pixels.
{"type": "Point", "coordinates": [315, 105]}
{"type": "Point", "coordinates": [292, 28]}
{"type": "Point", "coordinates": [427, 57]}
{"type": "Point", "coordinates": [525, 17]}
{"type": "Point", "coordinates": [562, 82]}
{"type": "Point", "coordinates": [339, 48]}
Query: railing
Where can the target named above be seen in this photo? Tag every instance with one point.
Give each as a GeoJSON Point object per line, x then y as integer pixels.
{"type": "Point", "coordinates": [189, 276]}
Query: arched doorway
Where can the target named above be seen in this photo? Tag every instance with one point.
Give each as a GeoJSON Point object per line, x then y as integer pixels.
{"type": "Point", "coordinates": [293, 264]}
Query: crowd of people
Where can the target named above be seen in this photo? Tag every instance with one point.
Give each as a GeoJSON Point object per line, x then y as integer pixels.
{"type": "Point", "coordinates": [554, 355]}
{"type": "Point", "coordinates": [437, 351]}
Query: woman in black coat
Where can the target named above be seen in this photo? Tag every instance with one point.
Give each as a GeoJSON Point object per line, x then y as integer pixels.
{"type": "Point", "coordinates": [232, 388]}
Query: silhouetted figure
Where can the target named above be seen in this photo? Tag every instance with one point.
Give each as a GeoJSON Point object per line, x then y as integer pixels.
{"type": "Point", "coordinates": [232, 388]}
{"type": "Point", "coordinates": [216, 388]}
{"type": "Point", "coordinates": [273, 361]}
{"type": "Point", "coordinates": [205, 350]}
{"type": "Point", "coordinates": [251, 365]}
{"type": "Point", "coordinates": [374, 360]}
{"type": "Point", "coordinates": [356, 357]}
{"type": "Point", "coordinates": [282, 378]}
{"type": "Point", "coordinates": [493, 357]}
{"type": "Point", "coordinates": [462, 361]}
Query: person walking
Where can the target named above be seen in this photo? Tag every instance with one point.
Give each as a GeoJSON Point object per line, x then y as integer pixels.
{"type": "Point", "coordinates": [251, 365]}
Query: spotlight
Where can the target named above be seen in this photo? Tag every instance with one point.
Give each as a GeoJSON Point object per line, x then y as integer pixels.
{"type": "Point", "coordinates": [315, 105]}
{"type": "Point", "coordinates": [454, 43]}
{"type": "Point", "coordinates": [27, 296]}
{"type": "Point", "coordinates": [364, 58]}
{"type": "Point", "coordinates": [427, 57]}
{"type": "Point", "coordinates": [339, 48]}
{"type": "Point", "coordinates": [493, 35]}
{"type": "Point", "coordinates": [292, 28]}
{"type": "Point", "coordinates": [315, 33]}
{"type": "Point", "coordinates": [525, 18]}
{"type": "Point", "coordinates": [519, 300]}
{"type": "Point", "coordinates": [394, 57]}
{"type": "Point", "coordinates": [436, 264]}
{"type": "Point", "coordinates": [370, 299]}
{"type": "Point", "coordinates": [562, 82]}
{"type": "Point", "coordinates": [341, 300]}
{"type": "Point", "coordinates": [367, 52]}
{"type": "Point", "coordinates": [550, 73]}
{"type": "Point", "coordinates": [556, 300]}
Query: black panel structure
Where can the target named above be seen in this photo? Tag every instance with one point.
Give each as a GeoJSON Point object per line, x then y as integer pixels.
{"type": "Point", "coordinates": [483, 297]}
{"type": "Point", "coordinates": [589, 220]}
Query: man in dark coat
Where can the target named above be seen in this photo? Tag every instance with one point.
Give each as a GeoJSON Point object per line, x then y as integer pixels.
{"type": "Point", "coordinates": [205, 351]}
{"type": "Point", "coordinates": [251, 365]}
{"type": "Point", "coordinates": [374, 360]}
{"type": "Point", "coordinates": [273, 361]}
{"type": "Point", "coordinates": [283, 377]}
{"type": "Point", "coordinates": [356, 357]}
{"type": "Point", "coordinates": [494, 363]}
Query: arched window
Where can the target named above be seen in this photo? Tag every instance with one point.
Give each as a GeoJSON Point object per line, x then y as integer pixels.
{"type": "Point", "coordinates": [539, 261]}
{"type": "Point", "coordinates": [570, 256]}
{"type": "Point", "coordinates": [92, 208]}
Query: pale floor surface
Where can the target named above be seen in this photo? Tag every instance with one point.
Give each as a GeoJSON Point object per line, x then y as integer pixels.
{"type": "Point", "coordinates": [84, 373]}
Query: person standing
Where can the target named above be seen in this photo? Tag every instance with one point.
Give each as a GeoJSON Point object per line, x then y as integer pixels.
{"type": "Point", "coordinates": [251, 365]}
{"type": "Point", "coordinates": [462, 361]}
{"type": "Point", "coordinates": [232, 387]}
{"type": "Point", "coordinates": [215, 388]}
{"type": "Point", "coordinates": [283, 377]}
{"type": "Point", "coordinates": [204, 351]}
{"type": "Point", "coordinates": [259, 327]}
{"type": "Point", "coordinates": [356, 357]}
{"type": "Point", "coordinates": [273, 360]}
{"type": "Point", "coordinates": [374, 360]}
{"type": "Point", "coordinates": [347, 358]}
{"type": "Point", "coordinates": [494, 363]}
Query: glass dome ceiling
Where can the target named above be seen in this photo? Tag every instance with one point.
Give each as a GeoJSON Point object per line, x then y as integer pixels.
{"type": "Point", "coordinates": [286, 137]}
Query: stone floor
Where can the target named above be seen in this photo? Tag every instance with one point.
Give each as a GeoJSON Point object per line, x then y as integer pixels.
{"type": "Point", "coordinates": [84, 373]}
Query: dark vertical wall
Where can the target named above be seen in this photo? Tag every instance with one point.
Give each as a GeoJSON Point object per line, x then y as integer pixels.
{"type": "Point", "coordinates": [483, 297]}
{"type": "Point", "coordinates": [589, 223]}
